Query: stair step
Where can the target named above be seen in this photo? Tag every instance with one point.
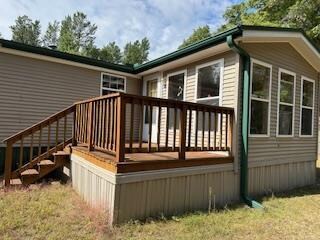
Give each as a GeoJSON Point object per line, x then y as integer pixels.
{"type": "Point", "coordinates": [15, 182]}
{"type": "Point", "coordinates": [61, 153]}
{"type": "Point", "coordinates": [46, 162]}
{"type": "Point", "coordinates": [29, 172]}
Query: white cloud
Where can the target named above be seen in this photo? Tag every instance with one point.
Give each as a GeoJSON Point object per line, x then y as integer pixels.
{"type": "Point", "coordinates": [165, 22]}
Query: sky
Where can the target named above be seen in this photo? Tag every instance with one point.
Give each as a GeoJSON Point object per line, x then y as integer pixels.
{"type": "Point", "coordinates": [164, 22]}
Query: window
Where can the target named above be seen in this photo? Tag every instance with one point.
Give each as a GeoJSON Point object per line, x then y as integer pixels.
{"type": "Point", "coordinates": [209, 82]}
{"type": "Point", "coordinates": [286, 99]}
{"type": "Point", "coordinates": [307, 105]}
{"type": "Point", "coordinates": [175, 88]}
{"type": "Point", "coordinates": [260, 98]}
{"type": "Point", "coordinates": [112, 83]}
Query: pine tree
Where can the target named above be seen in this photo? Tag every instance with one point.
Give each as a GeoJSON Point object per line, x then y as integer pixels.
{"type": "Point", "coordinates": [26, 31]}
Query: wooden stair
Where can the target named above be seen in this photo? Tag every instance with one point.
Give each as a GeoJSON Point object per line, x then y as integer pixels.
{"type": "Point", "coordinates": [41, 169]}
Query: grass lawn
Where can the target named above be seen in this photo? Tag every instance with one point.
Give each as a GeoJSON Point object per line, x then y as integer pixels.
{"type": "Point", "coordinates": [57, 212]}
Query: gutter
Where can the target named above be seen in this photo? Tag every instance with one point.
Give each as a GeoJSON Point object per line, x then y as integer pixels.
{"type": "Point", "coordinates": [245, 58]}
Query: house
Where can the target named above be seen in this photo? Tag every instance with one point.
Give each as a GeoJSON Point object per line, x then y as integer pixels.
{"type": "Point", "coordinates": [227, 118]}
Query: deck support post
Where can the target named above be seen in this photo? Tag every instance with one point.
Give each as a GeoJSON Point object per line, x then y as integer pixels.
{"type": "Point", "coordinates": [182, 131]}
{"type": "Point", "coordinates": [8, 164]}
{"type": "Point", "coordinates": [120, 133]}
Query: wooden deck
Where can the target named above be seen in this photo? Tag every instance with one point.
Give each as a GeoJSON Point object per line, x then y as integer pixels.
{"type": "Point", "coordinates": [113, 132]}
{"type": "Point", "coordinates": [135, 162]}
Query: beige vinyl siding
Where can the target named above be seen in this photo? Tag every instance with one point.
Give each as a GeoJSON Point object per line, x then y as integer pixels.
{"type": "Point", "coordinates": [284, 149]}
{"type": "Point", "coordinates": [31, 90]}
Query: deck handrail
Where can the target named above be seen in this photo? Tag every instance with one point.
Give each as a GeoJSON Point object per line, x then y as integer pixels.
{"type": "Point", "coordinates": [154, 99]}
{"type": "Point", "coordinates": [42, 123]}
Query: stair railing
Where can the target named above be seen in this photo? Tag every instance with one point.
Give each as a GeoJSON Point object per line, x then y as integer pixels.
{"type": "Point", "coordinates": [38, 142]}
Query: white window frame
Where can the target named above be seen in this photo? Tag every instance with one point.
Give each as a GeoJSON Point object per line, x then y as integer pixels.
{"type": "Point", "coordinates": [184, 71]}
{"type": "Point", "coordinates": [221, 62]}
{"type": "Point", "coordinates": [281, 70]}
{"type": "Point", "coordinates": [304, 78]}
{"type": "Point", "coordinates": [253, 60]}
{"type": "Point", "coordinates": [111, 89]}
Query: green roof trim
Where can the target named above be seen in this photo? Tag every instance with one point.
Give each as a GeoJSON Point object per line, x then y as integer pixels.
{"type": "Point", "coordinates": [134, 69]}
{"type": "Point", "coordinates": [193, 48]}
{"type": "Point", "coordinates": [65, 56]}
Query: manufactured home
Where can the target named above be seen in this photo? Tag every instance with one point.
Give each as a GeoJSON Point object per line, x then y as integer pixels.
{"type": "Point", "coordinates": [228, 118]}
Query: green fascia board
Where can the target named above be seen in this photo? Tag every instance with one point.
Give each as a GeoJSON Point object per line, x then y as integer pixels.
{"type": "Point", "coordinates": [135, 69]}
{"type": "Point", "coordinates": [193, 48]}
{"type": "Point", "coordinates": [65, 56]}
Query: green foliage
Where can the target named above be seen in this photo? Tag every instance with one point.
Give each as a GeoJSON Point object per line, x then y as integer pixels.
{"type": "Point", "coordinates": [304, 14]}
{"type": "Point", "coordinates": [111, 53]}
{"type": "Point", "coordinates": [51, 36]}
{"type": "Point", "coordinates": [197, 35]}
{"type": "Point", "coordinates": [66, 41]}
{"type": "Point", "coordinates": [137, 52]}
{"type": "Point", "coordinates": [91, 51]}
{"type": "Point", "coordinates": [77, 34]}
{"type": "Point", "coordinates": [26, 31]}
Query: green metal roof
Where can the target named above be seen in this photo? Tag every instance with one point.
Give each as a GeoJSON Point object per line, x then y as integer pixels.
{"type": "Point", "coordinates": [134, 69]}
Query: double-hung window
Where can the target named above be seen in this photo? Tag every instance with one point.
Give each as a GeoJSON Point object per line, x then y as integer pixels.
{"type": "Point", "coordinates": [112, 83]}
{"type": "Point", "coordinates": [209, 89]}
{"type": "Point", "coordinates": [260, 98]}
{"type": "Point", "coordinates": [209, 83]}
{"type": "Point", "coordinates": [286, 101]}
{"type": "Point", "coordinates": [307, 107]}
{"type": "Point", "coordinates": [175, 89]}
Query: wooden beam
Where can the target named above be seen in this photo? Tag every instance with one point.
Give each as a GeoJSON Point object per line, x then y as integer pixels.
{"type": "Point", "coordinates": [183, 120]}
{"type": "Point", "coordinates": [8, 164]}
{"type": "Point", "coordinates": [120, 136]}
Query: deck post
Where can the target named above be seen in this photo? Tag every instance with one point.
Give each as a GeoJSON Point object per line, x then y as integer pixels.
{"type": "Point", "coordinates": [90, 126]}
{"type": "Point", "coordinates": [183, 120]}
{"type": "Point", "coordinates": [120, 133]}
{"type": "Point", "coordinates": [8, 164]}
{"type": "Point", "coordinates": [74, 125]}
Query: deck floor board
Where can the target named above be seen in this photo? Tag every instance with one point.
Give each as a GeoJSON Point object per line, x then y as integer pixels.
{"type": "Point", "coordinates": [152, 161]}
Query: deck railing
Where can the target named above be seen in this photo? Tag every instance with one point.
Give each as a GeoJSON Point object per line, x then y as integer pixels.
{"type": "Point", "coordinates": [122, 123]}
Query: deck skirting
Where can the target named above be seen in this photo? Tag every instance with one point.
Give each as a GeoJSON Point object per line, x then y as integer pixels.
{"type": "Point", "coordinates": [167, 192]}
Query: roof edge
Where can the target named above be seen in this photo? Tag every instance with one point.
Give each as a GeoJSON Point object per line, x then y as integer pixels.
{"type": "Point", "coordinates": [281, 29]}
{"type": "Point", "coordinates": [65, 56]}
{"type": "Point", "coordinates": [195, 47]}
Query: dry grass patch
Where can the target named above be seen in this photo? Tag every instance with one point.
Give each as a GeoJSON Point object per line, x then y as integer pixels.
{"type": "Point", "coordinates": [50, 212]}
